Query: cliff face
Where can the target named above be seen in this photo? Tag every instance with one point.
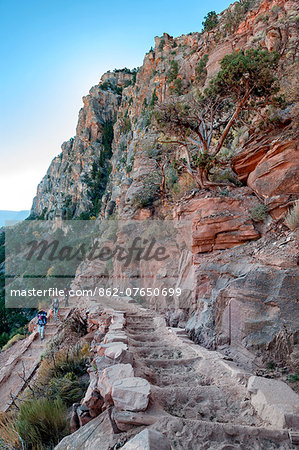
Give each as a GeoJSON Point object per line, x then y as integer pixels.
{"type": "Point", "coordinates": [64, 188]}
{"type": "Point", "coordinates": [270, 25]}
{"type": "Point", "coordinates": [241, 269]}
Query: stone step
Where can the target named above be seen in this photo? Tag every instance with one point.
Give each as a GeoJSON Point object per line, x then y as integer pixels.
{"type": "Point", "coordinates": [294, 437]}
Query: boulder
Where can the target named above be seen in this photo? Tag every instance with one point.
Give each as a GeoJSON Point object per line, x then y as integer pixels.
{"type": "Point", "coordinates": [119, 353]}
{"type": "Point", "coordinates": [102, 362]}
{"type": "Point", "coordinates": [93, 380]}
{"type": "Point", "coordinates": [74, 420]}
{"type": "Point", "coordinates": [94, 402]}
{"type": "Point", "coordinates": [83, 415]}
{"type": "Point", "coordinates": [110, 376]}
{"type": "Point", "coordinates": [114, 350]}
{"type": "Point", "coordinates": [275, 402]}
{"type": "Point", "coordinates": [100, 334]}
{"type": "Point", "coordinates": [148, 440]}
{"type": "Point", "coordinates": [117, 336]}
{"type": "Point", "coordinates": [131, 394]}
{"type": "Point", "coordinates": [277, 174]}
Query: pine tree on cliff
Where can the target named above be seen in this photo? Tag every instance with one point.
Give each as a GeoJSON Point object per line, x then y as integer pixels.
{"type": "Point", "coordinates": [200, 124]}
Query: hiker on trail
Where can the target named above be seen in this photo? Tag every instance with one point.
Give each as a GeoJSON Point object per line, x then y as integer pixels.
{"type": "Point", "coordinates": [66, 298]}
{"type": "Point", "coordinates": [41, 321]}
{"type": "Point", "coordinates": [56, 308]}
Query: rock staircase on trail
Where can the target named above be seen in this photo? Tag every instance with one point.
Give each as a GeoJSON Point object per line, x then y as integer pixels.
{"type": "Point", "coordinates": [204, 394]}
{"type": "Point", "coordinates": [19, 363]}
{"type": "Point", "coordinates": [198, 400]}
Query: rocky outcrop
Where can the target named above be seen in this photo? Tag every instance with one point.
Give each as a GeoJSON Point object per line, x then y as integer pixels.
{"type": "Point", "coordinates": [64, 189]}
{"type": "Point", "coordinates": [275, 402]}
{"type": "Point", "coordinates": [270, 166]}
{"type": "Point", "coordinates": [219, 222]}
{"type": "Point", "coordinates": [246, 295]}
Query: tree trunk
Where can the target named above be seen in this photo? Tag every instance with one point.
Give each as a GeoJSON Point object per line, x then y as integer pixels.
{"type": "Point", "coordinates": [230, 123]}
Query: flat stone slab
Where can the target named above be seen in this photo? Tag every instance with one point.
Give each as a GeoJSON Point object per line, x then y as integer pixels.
{"type": "Point", "coordinates": [118, 353]}
{"type": "Point", "coordinates": [102, 348]}
{"type": "Point", "coordinates": [148, 440]}
{"type": "Point", "coordinates": [116, 327]}
{"type": "Point", "coordinates": [110, 376]}
{"type": "Point", "coordinates": [274, 401]}
{"type": "Point", "coordinates": [131, 394]}
{"type": "Point", "coordinates": [118, 336]}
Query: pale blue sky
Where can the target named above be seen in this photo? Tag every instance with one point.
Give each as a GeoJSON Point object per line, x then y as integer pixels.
{"type": "Point", "coordinates": [52, 52]}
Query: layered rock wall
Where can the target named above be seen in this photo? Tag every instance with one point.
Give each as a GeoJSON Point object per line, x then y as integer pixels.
{"type": "Point", "coordinates": [243, 271]}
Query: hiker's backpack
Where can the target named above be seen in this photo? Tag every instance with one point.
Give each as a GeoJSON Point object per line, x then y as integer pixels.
{"type": "Point", "coordinates": [42, 318]}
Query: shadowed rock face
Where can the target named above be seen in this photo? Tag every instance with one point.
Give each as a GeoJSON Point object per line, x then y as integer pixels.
{"type": "Point", "coordinates": [270, 166]}
{"type": "Point", "coordinates": [243, 303]}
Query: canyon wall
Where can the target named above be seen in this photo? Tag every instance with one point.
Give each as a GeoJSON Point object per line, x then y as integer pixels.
{"type": "Point", "coordinates": [243, 272]}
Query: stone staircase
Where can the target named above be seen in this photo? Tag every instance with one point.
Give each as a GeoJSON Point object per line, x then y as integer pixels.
{"type": "Point", "coordinates": [197, 398]}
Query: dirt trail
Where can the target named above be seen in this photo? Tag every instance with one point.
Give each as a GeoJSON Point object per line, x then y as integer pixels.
{"type": "Point", "coordinates": [19, 363]}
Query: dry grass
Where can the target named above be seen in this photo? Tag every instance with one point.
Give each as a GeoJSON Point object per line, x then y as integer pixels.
{"type": "Point", "coordinates": [62, 362]}
{"type": "Point", "coordinates": [13, 340]}
{"type": "Point", "coordinates": [9, 436]}
{"type": "Point", "coordinates": [292, 217]}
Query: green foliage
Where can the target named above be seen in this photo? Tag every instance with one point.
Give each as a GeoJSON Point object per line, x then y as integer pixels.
{"type": "Point", "coordinates": [249, 71]}
{"type": "Point", "coordinates": [270, 365]}
{"type": "Point", "coordinates": [42, 423]}
{"type": "Point", "coordinates": [129, 167]}
{"type": "Point", "coordinates": [161, 45]}
{"type": "Point", "coordinates": [129, 72]}
{"type": "Point", "coordinates": [210, 21]}
{"type": "Point", "coordinates": [13, 320]}
{"type": "Point", "coordinates": [149, 192]}
{"type": "Point", "coordinates": [13, 340]}
{"type": "Point", "coordinates": [221, 176]}
{"type": "Point", "coordinates": [154, 99]}
{"type": "Point", "coordinates": [107, 138]}
{"type": "Point", "coordinates": [108, 86]}
{"type": "Point", "coordinates": [147, 119]}
{"type": "Point", "coordinates": [97, 179]}
{"type": "Point", "coordinates": [178, 86]}
{"type": "Point", "coordinates": [173, 71]}
{"type": "Point", "coordinates": [68, 388]}
{"type": "Point", "coordinates": [171, 177]}
{"type": "Point", "coordinates": [259, 212]}
{"type": "Point", "coordinates": [204, 160]}
{"type": "Point", "coordinates": [201, 71]}
{"type": "Point", "coordinates": [64, 362]}
{"type": "Point", "coordinates": [127, 126]}
{"type": "Point", "coordinates": [237, 13]}
{"type": "Point", "coordinates": [4, 338]}
{"type": "Point", "coordinates": [293, 378]}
